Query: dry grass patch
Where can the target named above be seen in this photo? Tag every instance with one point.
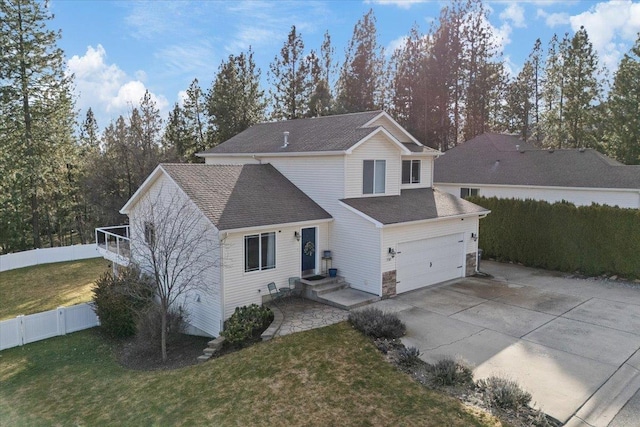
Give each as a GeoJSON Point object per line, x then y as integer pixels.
{"type": "Point", "coordinates": [324, 377]}
{"type": "Point", "coordinates": [44, 287]}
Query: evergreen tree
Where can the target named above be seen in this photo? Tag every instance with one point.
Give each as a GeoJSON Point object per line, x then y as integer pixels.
{"type": "Point", "coordinates": [289, 77]}
{"type": "Point", "coordinates": [194, 119]}
{"type": "Point", "coordinates": [176, 137]}
{"type": "Point", "coordinates": [37, 127]}
{"type": "Point", "coordinates": [520, 106]}
{"type": "Point", "coordinates": [360, 86]}
{"type": "Point", "coordinates": [554, 93]}
{"type": "Point", "coordinates": [235, 100]}
{"type": "Point", "coordinates": [583, 90]}
{"type": "Point", "coordinates": [623, 104]}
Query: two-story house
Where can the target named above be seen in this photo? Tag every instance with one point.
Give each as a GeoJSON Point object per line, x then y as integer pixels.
{"type": "Point", "coordinates": [278, 195]}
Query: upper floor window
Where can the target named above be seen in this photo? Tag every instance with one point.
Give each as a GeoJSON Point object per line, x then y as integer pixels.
{"type": "Point", "coordinates": [149, 233]}
{"type": "Point", "coordinates": [373, 176]}
{"type": "Point", "coordinates": [411, 171]}
{"type": "Point", "coordinates": [466, 192]}
{"type": "Point", "coordinates": [260, 252]}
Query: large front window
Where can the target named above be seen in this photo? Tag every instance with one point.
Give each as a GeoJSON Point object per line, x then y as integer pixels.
{"type": "Point", "coordinates": [373, 177]}
{"type": "Point", "coordinates": [260, 251]}
{"type": "Point", "coordinates": [411, 171]}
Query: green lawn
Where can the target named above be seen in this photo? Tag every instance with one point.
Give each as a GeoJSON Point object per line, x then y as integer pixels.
{"type": "Point", "coordinates": [324, 377]}
{"type": "Point", "coordinates": [44, 287]}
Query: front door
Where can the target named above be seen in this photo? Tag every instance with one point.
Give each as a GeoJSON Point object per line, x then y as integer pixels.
{"type": "Point", "coordinates": [308, 251]}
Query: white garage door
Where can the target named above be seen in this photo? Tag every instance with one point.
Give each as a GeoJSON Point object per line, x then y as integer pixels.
{"type": "Point", "coordinates": [429, 261]}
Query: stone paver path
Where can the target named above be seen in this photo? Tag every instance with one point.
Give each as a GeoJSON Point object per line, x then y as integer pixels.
{"type": "Point", "coordinates": [302, 314]}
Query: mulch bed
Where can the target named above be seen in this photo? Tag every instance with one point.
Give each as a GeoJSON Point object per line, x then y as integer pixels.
{"type": "Point", "coordinates": [471, 396]}
{"type": "Point", "coordinates": [182, 350]}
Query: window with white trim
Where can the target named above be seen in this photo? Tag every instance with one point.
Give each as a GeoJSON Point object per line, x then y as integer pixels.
{"type": "Point", "coordinates": [373, 176]}
{"type": "Point", "coordinates": [466, 192]}
{"type": "Point", "coordinates": [411, 171]}
{"type": "Point", "coordinates": [149, 233]}
{"type": "Point", "coordinates": [260, 251]}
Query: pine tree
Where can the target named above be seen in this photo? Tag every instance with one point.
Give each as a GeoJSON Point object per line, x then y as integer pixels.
{"type": "Point", "coordinates": [520, 106]}
{"type": "Point", "coordinates": [38, 119]}
{"type": "Point", "coordinates": [235, 100]}
{"type": "Point", "coordinates": [176, 137]}
{"type": "Point", "coordinates": [583, 90]}
{"type": "Point", "coordinates": [195, 121]}
{"type": "Point", "coordinates": [360, 85]}
{"type": "Point", "coordinates": [554, 93]}
{"type": "Point", "coordinates": [289, 77]}
{"type": "Point", "coordinates": [623, 104]}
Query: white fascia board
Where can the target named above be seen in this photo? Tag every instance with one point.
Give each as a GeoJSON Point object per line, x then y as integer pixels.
{"type": "Point", "coordinates": [400, 128]}
{"type": "Point", "coordinates": [143, 187]}
{"type": "Point", "coordinates": [375, 222]}
{"type": "Point", "coordinates": [479, 215]}
{"type": "Point", "coordinates": [277, 154]}
{"type": "Point", "coordinates": [382, 130]}
{"type": "Point", "coordinates": [272, 226]}
{"type": "Point", "coordinates": [543, 187]}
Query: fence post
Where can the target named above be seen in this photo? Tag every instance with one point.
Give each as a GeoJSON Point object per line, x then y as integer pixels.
{"type": "Point", "coordinates": [62, 327]}
{"type": "Point", "coordinates": [20, 326]}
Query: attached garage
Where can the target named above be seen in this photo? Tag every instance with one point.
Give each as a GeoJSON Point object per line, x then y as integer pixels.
{"type": "Point", "coordinates": [426, 262]}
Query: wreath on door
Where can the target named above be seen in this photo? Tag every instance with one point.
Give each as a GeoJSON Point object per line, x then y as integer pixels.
{"type": "Point", "coordinates": [309, 249]}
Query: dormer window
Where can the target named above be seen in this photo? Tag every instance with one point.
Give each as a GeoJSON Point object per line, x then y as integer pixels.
{"type": "Point", "coordinates": [373, 176]}
{"type": "Point", "coordinates": [411, 171]}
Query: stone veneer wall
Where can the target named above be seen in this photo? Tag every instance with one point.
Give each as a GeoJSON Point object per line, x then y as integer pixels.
{"type": "Point", "coordinates": [472, 262]}
{"type": "Point", "coordinates": [389, 284]}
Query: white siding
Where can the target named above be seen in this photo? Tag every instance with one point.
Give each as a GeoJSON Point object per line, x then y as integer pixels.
{"type": "Point", "coordinates": [356, 251]}
{"type": "Point", "coordinates": [242, 288]}
{"type": "Point", "coordinates": [392, 236]}
{"type": "Point", "coordinates": [377, 148]}
{"type": "Point", "coordinates": [577, 196]}
{"type": "Point", "coordinates": [204, 304]}
{"type": "Point", "coordinates": [230, 160]}
{"type": "Point", "coordinates": [319, 177]}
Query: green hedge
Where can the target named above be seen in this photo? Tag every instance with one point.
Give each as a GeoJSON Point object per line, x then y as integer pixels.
{"type": "Point", "coordinates": [591, 239]}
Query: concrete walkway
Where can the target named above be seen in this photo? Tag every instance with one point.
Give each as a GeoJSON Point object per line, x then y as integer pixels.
{"type": "Point", "coordinates": [574, 344]}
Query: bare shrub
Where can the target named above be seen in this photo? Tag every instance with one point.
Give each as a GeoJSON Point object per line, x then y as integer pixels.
{"type": "Point", "coordinates": [375, 323]}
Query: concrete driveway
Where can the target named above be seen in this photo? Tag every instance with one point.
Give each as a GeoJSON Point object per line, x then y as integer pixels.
{"type": "Point", "coordinates": [574, 344]}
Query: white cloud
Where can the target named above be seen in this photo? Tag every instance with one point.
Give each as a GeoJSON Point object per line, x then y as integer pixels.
{"type": "Point", "coordinates": [515, 14]}
{"type": "Point", "coordinates": [404, 4]}
{"type": "Point", "coordinates": [611, 26]}
{"type": "Point", "coordinates": [105, 88]}
{"type": "Point", "coordinates": [553, 19]}
{"type": "Point", "coordinates": [394, 44]}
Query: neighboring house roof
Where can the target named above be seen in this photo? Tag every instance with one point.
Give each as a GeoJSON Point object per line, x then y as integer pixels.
{"type": "Point", "coordinates": [494, 159]}
{"type": "Point", "coordinates": [244, 196]}
{"type": "Point", "coordinates": [416, 204]}
{"type": "Point", "coordinates": [336, 133]}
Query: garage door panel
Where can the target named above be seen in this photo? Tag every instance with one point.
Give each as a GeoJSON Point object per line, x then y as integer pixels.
{"type": "Point", "coordinates": [429, 261]}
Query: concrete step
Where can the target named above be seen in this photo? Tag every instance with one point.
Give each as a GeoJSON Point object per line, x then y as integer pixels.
{"type": "Point", "coordinates": [348, 298]}
{"type": "Point", "coordinates": [328, 287]}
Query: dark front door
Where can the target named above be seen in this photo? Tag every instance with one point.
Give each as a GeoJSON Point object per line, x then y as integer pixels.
{"type": "Point", "coordinates": [308, 251]}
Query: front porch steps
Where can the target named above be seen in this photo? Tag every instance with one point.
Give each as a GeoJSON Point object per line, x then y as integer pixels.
{"type": "Point", "coordinates": [335, 291]}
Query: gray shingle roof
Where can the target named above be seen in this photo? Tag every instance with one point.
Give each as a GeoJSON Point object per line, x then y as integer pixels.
{"type": "Point", "coordinates": [328, 133]}
{"type": "Point", "coordinates": [493, 159]}
{"type": "Point", "coordinates": [240, 196]}
{"type": "Point", "coordinates": [413, 205]}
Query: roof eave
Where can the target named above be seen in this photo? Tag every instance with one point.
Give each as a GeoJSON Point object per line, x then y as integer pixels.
{"type": "Point", "coordinates": [480, 214]}
{"type": "Point", "coordinates": [272, 226]}
{"type": "Point", "coordinates": [275, 154]}
{"type": "Point", "coordinates": [382, 130]}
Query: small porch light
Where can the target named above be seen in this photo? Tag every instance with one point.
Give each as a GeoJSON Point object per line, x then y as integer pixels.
{"type": "Point", "coordinates": [474, 237]}
{"type": "Point", "coordinates": [296, 235]}
{"type": "Point", "coordinates": [392, 252]}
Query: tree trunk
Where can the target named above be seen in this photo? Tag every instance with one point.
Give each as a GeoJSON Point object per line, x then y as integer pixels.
{"type": "Point", "coordinates": [163, 336]}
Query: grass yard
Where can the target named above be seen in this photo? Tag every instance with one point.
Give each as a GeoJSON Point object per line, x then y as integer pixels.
{"type": "Point", "coordinates": [44, 287]}
{"type": "Point", "coordinates": [324, 377]}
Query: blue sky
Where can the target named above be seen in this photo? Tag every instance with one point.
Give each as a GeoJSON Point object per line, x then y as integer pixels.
{"type": "Point", "coordinates": [118, 49]}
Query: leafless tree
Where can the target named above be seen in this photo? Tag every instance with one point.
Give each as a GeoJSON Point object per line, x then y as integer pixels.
{"type": "Point", "coordinates": [176, 245]}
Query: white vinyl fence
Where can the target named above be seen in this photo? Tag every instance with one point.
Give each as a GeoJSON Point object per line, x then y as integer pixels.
{"type": "Point", "coordinates": [35, 327]}
{"type": "Point", "coordinates": [47, 256]}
